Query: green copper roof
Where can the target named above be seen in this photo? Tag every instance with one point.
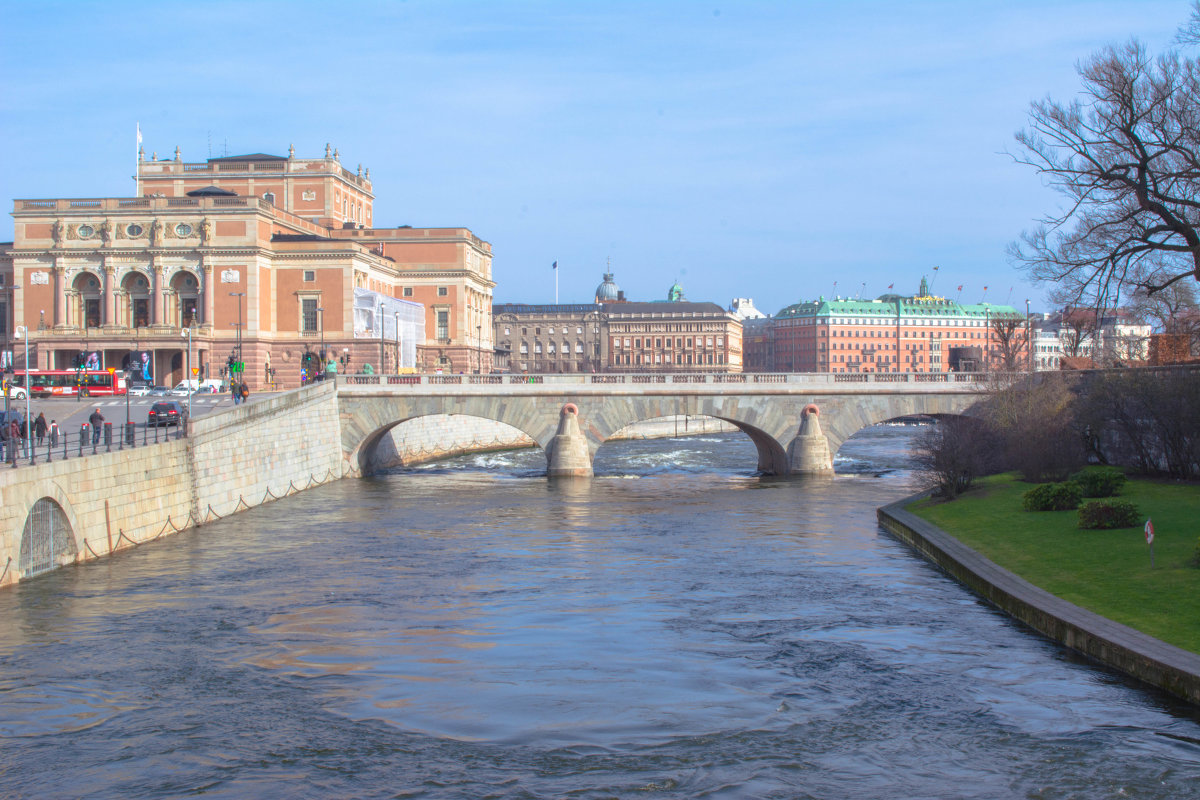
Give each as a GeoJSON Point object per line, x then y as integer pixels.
{"type": "Point", "coordinates": [886, 307]}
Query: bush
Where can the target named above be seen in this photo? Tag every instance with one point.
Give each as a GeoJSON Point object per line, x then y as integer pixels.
{"type": "Point", "coordinates": [1105, 514]}
{"type": "Point", "coordinates": [1099, 481]}
{"type": "Point", "coordinates": [1053, 497]}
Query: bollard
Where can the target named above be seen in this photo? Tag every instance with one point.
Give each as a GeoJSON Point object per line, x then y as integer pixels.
{"type": "Point", "coordinates": [131, 434]}
{"type": "Point", "coordinates": [84, 430]}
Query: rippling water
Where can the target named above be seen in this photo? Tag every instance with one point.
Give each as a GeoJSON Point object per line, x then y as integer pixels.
{"type": "Point", "coordinates": [675, 627]}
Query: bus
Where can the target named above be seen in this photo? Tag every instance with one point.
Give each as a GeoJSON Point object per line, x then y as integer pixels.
{"type": "Point", "coordinates": [72, 382]}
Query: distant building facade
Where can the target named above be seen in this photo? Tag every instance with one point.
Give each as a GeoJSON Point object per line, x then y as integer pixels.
{"type": "Point", "coordinates": [893, 333]}
{"type": "Point", "coordinates": [1076, 336]}
{"type": "Point", "coordinates": [614, 335]}
{"type": "Point", "coordinates": [276, 256]}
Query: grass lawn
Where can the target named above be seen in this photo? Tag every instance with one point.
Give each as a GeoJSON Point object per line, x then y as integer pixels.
{"type": "Point", "coordinates": [1107, 572]}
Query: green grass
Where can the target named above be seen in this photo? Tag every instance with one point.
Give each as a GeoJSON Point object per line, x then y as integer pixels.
{"type": "Point", "coordinates": [1107, 572]}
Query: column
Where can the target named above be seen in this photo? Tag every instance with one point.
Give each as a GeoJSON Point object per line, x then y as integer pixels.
{"type": "Point", "coordinates": [156, 294]}
{"type": "Point", "coordinates": [60, 295]}
{"type": "Point", "coordinates": [568, 452]}
{"type": "Point", "coordinates": [108, 270]}
{"type": "Point", "coordinates": [206, 292]}
{"type": "Point", "coordinates": [809, 453]}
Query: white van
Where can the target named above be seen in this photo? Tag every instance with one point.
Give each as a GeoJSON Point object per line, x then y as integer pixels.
{"type": "Point", "coordinates": [196, 387]}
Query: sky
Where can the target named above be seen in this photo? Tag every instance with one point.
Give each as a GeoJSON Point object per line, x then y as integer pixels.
{"type": "Point", "coordinates": [773, 150]}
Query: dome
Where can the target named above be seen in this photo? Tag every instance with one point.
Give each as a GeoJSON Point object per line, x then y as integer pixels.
{"type": "Point", "coordinates": [675, 295]}
{"type": "Point", "coordinates": [607, 292]}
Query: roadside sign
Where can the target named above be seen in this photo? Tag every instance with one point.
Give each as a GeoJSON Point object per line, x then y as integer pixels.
{"type": "Point", "coordinates": [1149, 531]}
{"type": "Point", "coordinates": [195, 370]}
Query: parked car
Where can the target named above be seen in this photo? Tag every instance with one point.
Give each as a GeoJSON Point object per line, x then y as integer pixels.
{"type": "Point", "coordinates": [196, 387]}
{"type": "Point", "coordinates": [159, 391]}
{"type": "Point", "coordinates": [165, 412]}
{"type": "Point", "coordinates": [139, 390]}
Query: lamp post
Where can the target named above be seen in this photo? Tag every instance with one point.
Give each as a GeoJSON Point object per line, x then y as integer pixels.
{"type": "Point", "coordinates": [479, 349]}
{"type": "Point", "coordinates": [397, 317]}
{"type": "Point", "coordinates": [24, 329]}
{"type": "Point", "coordinates": [188, 334]}
{"type": "Point", "coordinates": [382, 360]}
{"type": "Point", "coordinates": [321, 330]}
{"type": "Point", "coordinates": [239, 296]}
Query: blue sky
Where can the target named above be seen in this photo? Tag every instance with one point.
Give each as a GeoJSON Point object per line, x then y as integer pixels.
{"type": "Point", "coordinates": [750, 149]}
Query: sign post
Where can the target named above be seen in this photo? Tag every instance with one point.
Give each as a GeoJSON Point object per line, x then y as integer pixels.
{"type": "Point", "coordinates": [1149, 528]}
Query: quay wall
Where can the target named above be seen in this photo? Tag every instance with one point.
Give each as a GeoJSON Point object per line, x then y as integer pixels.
{"type": "Point", "coordinates": [232, 460]}
{"type": "Point", "coordinates": [1118, 646]}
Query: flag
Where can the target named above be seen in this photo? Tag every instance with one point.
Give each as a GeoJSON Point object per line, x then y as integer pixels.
{"type": "Point", "coordinates": [1149, 531]}
{"type": "Point", "coordinates": [985, 288]}
{"type": "Point", "coordinates": [960, 287]}
{"type": "Point", "coordinates": [890, 285]}
{"type": "Point", "coordinates": [935, 269]}
{"type": "Point", "coordinates": [554, 265]}
{"type": "Point", "coordinates": [139, 133]}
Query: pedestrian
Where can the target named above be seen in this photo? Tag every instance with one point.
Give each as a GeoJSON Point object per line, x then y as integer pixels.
{"type": "Point", "coordinates": [53, 433]}
{"type": "Point", "coordinates": [235, 389]}
{"type": "Point", "coordinates": [244, 390]}
{"type": "Point", "coordinates": [39, 427]}
{"type": "Point", "coordinates": [14, 440]}
{"type": "Point", "coordinates": [96, 420]}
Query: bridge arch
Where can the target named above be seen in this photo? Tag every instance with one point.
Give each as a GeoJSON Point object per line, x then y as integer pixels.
{"type": "Point", "coordinates": [375, 452]}
{"type": "Point", "coordinates": [772, 456]}
{"type": "Point", "coordinates": [842, 417]}
{"type": "Point", "coordinates": [50, 535]}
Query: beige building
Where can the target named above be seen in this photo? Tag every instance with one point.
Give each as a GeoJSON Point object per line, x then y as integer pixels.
{"type": "Point", "coordinates": [266, 254]}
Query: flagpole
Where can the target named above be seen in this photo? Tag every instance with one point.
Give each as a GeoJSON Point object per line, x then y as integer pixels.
{"type": "Point", "coordinates": [556, 281]}
{"type": "Point", "coordinates": [137, 157]}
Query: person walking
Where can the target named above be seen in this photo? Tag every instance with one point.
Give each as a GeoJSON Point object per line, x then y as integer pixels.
{"type": "Point", "coordinates": [14, 440]}
{"type": "Point", "coordinates": [244, 391]}
{"type": "Point", "coordinates": [39, 427]}
{"type": "Point", "coordinates": [96, 420]}
{"type": "Point", "coordinates": [53, 433]}
{"type": "Point", "coordinates": [235, 390]}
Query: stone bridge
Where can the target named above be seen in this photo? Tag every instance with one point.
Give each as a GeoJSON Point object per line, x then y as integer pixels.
{"type": "Point", "coordinates": [797, 422]}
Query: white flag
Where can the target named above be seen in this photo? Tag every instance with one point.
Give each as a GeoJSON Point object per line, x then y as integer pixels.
{"type": "Point", "coordinates": [139, 133]}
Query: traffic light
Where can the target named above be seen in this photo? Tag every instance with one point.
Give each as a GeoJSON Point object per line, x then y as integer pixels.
{"type": "Point", "coordinates": [80, 358]}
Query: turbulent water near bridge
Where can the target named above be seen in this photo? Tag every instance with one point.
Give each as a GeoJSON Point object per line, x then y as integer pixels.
{"type": "Point", "coordinates": [675, 627]}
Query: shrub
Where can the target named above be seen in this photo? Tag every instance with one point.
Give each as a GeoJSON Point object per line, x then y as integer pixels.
{"type": "Point", "coordinates": [1099, 481]}
{"type": "Point", "coordinates": [1105, 514]}
{"type": "Point", "coordinates": [1052, 497]}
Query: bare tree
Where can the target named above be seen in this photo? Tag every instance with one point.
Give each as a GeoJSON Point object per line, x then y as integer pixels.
{"type": "Point", "coordinates": [1011, 337]}
{"type": "Point", "coordinates": [1127, 158]}
{"type": "Point", "coordinates": [1076, 331]}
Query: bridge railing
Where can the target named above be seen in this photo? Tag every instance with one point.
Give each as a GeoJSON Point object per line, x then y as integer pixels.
{"type": "Point", "coordinates": [659, 378]}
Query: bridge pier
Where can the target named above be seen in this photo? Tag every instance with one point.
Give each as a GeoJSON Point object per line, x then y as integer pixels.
{"type": "Point", "coordinates": [569, 455]}
{"type": "Point", "coordinates": [809, 452]}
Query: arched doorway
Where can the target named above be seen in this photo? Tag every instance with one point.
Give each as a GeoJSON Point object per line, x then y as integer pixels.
{"type": "Point", "coordinates": [186, 289]}
{"type": "Point", "coordinates": [136, 289]}
{"type": "Point", "coordinates": [47, 540]}
{"type": "Point", "coordinates": [86, 289]}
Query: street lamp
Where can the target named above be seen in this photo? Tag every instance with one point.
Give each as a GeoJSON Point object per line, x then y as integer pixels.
{"type": "Point", "coordinates": [397, 315]}
{"type": "Point", "coordinates": [239, 296]}
{"type": "Point", "coordinates": [382, 359]}
{"type": "Point", "coordinates": [24, 330]}
{"type": "Point", "coordinates": [186, 379]}
{"type": "Point", "coordinates": [479, 348]}
{"type": "Point", "coordinates": [321, 329]}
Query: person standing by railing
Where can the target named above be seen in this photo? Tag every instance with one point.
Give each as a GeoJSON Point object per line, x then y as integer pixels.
{"type": "Point", "coordinates": [96, 420]}
{"type": "Point", "coordinates": [39, 428]}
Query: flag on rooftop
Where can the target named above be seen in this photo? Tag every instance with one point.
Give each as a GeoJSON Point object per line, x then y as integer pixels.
{"type": "Point", "coordinates": [554, 265]}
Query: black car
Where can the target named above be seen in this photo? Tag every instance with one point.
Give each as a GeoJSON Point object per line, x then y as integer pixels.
{"type": "Point", "coordinates": [166, 412]}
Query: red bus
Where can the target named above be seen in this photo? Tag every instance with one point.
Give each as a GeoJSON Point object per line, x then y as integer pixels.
{"type": "Point", "coordinates": [73, 382]}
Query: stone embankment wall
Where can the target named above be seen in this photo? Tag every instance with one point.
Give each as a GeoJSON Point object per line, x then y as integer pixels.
{"type": "Point", "coordinates": [442, 435]}
{"type": "Point", "coordinates": [1118, 646]}
{"type": "Point", "coordinates": [231, 461]}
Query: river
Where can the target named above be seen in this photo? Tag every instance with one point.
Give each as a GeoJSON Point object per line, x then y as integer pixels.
{"type": "Point", "coordinates": [674, 628]}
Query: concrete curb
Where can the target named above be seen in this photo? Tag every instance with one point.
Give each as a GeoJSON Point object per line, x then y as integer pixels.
{"type": "Point", "coordinates": [1132, 652]}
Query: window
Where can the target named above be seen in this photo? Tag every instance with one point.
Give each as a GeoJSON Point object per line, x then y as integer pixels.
{"type": "Point", "coordinates": [310, 275]}
{"type": "Point", "coordinates": [443, 291]}
{"type": "Point", "coordinates": [550, 330]}
{"type": "Point", "coordinates": [524, 348]}
{"type": "Point", "coordinates": [408, 291]}
{"type": "Point", "coordinates": [507, 332]}
{"type": "Point", "coordinates": [579, 331]}
{"type": "Point", "coordinates": [308, 315]}
{"type": "Point", "coordinates": [443, 324]}
{"type": "Point", "coordinates": [269, 197]}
